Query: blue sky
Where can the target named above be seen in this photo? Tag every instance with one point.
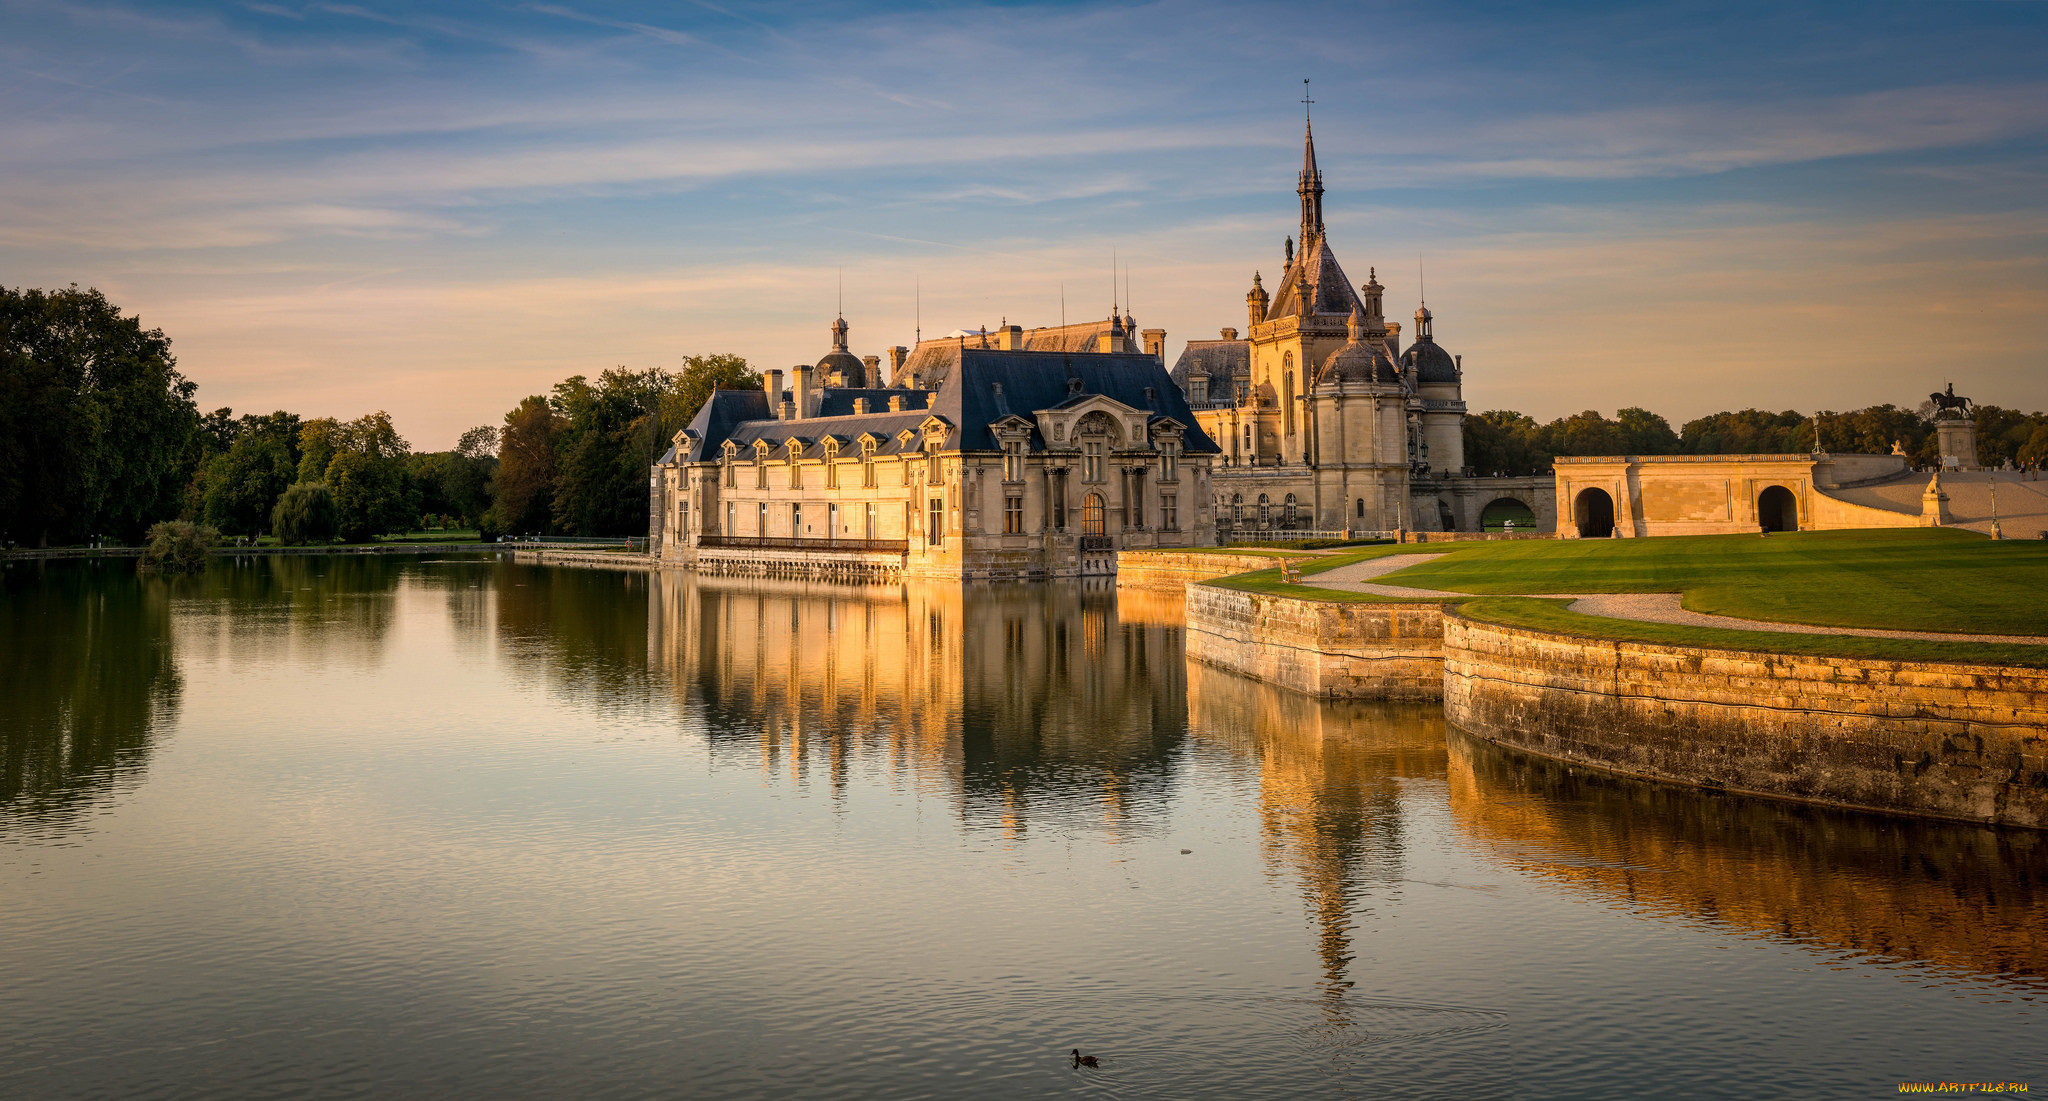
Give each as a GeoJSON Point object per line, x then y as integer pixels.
{"type": "Point", "coordinates": [437, 209]}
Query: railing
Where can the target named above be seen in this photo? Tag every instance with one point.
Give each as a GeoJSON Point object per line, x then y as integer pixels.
{"type": "Point", "coordinates": [1248, 532]}
{"type": "Point", "coordinates": [1096, 542]}
{"type": "Point", "coordinates": [632, 543]}
{"type": "Point", "coordinates": [773, 542]}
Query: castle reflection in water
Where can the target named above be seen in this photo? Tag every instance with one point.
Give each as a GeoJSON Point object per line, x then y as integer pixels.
{"type": "Point", "coordinates": [1074, 707]}
{"type": "Point", "coordinates": [1061, 708]}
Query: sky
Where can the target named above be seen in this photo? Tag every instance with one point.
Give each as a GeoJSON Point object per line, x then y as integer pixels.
{"type": "Point", "coordinates": [438, 209]}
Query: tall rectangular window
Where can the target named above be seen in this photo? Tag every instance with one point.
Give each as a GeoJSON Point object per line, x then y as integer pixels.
{"type": "Point", "coordinates": [935, 527]}
{"type": "Point", "coordinates": [761, 471]}
{"type": "Point", "coordinates": [1013, 514]}
{"type": "Point", "coordinates": [870, 529]}
{"type": "Point", "coordinates": [732, 525]}
{"type": "Point", "coordinates": [1169, 462]}
{"type": "Point", "coordinates": [1169, 512]}
{"type": "Point", "coordinates": [761, 524]}
{"type": "Point", "coordinates": [831, 521]}
{"type": "Point", "coordinates": [682, 517]}
{"type": "Point", "coordinates": [1091, 462]}
{"type": "Point", "coordinates": [1059, 501]}
{"type": "Point", "coordinates": [796, 473]}
{"type": "Point", "coordinates": [796, 521]}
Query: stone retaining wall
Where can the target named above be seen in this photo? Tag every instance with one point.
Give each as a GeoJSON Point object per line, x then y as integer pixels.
{"type": "Point", "coordinates": [1344, 650]}
{"type": "Point", "coordinates": [590, 559]}
{"type": "Point", "coordinates": [1967, 742]}
{"type": "Point", "coordinates": [1176, 570]}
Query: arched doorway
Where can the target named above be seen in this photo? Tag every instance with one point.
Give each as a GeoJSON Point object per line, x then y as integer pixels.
{"type": "Point", "coordinates": [1500, 513]}
{"type": "Point", "coordinates": [1777, 509]}
{"type": "Point", "coordinates": [1593, 512]}
{"type": "Point", "coordinates": [1091, 515]}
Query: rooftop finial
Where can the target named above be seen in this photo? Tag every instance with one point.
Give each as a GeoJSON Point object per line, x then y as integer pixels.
{"type": "Point", "coordinates": [1311, 186]}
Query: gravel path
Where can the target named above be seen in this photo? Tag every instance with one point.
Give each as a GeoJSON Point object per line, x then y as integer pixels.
{"type": "Point", "coordinates": [1646, 607]}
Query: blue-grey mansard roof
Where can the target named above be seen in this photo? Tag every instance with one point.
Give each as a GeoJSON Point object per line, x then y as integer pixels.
{"type": "Point", "coordinates": [989, 385]}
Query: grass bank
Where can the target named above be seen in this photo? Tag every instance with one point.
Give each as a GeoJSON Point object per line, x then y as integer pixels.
{"type": "Point", "coordinates": [1552, 616]}
{"type": "Point", "coordinates": [1908, 580]}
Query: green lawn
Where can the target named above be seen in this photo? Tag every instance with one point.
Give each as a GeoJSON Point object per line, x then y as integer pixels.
{"type": "Point", "coordinates": [1912, 580]}
{"type": "Point", "coordinates": [1268, 581]}
{"type": "Point", "coordinates": [1550, 615]}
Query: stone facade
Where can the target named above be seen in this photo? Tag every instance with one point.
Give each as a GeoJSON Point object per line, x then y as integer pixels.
{"type": "Point", "coordinates": [1325, 421]}
{"type": "Point", "coordinates": [1632, 496]}
{"type": "Point", "coordinates": [988, 463]}
{"type": "Point", "coordinates": [1957, 741]}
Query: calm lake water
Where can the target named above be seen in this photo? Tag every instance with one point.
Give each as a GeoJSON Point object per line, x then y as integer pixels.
{"type": "Point", "coordinates": [463, 828]}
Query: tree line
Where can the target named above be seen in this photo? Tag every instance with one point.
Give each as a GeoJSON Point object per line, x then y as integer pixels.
{"type": "Point", "coordinates": [1502, 441]}
{"type": "Point", "coordinates": [101, 437]}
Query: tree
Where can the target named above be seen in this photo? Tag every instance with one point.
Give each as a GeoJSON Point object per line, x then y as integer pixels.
{"type": "Point", "coordinates": [1586, 433]}
{"type": "Point", "coordinates": [305, 514]}
{"type": "Point", "coordinates": [370, 478]}
{"type": "Point", "coordinates": [1502, 441]}
{"type": "Point", "coordinates": [1750, 432]}
{"type": "Point", "coordinates": [1645, 433]}
{"type": "Point", "coordinates": [2035, 451]}
{"type": "Point", "coordinates": [97, 429]}
{"type": "Point", "coordinates": [687, 391]}
{"type": "Point", "coordinates": [317, 444]}
{"type": "Point", "coordinates": [522, 490]}
{"type": "Point", "coordinates": [178, 546]}
{"type": "Point", "coordinates": [243, 482]}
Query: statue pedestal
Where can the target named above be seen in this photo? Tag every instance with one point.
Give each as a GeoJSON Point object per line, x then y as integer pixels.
{"type": "Point", "coordinates": [1934, 511]}
{"type": "Point", "coordinates": [1958, 439]}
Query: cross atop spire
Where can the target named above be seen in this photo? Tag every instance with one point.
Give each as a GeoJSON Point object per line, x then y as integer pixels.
{"type": "Point", "coordinates": [1311, 181]}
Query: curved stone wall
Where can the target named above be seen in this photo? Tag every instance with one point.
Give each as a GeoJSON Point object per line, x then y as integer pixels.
{"type": "Point", "coordinates": [1967, 742]}
{"type": "Point", "coordinates": [1354, 649]}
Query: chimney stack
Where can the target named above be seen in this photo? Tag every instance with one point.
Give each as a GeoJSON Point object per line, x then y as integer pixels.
{"type": "Point", "coordinates": [895, 403]}
{"type": "Point", "coordinates": [860, 405]}
{"type": "Point", "coordinates": [897, 356]}
{"type": "Point", "coordinates": [800, 389]}
{"type": "Point", "coordinates": [1229, 333]}
{"type": "Point", "coordinates": [1155, 344]}
{"type": "Point", "coordinates": [773, 378]}
{"type": "Point", "coordinates": [1010, 338]}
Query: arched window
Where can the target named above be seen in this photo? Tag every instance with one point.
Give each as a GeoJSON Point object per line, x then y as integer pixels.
{"type": "Point", "coordinates": [1361, 508]}
{"type": "Point", "coordinates": [1092, 514]}
{"type": "Point", "coordinates": [1287, 391]}
{"type": "Point", "coordinates": [1265, 511]}
{"type": "Point", "coordinates": [1237, 508]}
{"type": "Point", "coordinates": [1287, 511]}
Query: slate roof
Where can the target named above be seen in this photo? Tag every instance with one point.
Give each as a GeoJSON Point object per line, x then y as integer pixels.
{"type": "Point", "coordinates": [932, 361]}
{"type": "Point", "coordinates": [984, 386]}
{"type": "Point", "coordinates": [715, 421]}
{"type": "Point", "coordinates": [1431, 362]}
{"type": "Point", "coordinates": [1031, 381]}
{"type": "Point", "coordinates": [1315, 265]}
{"type": "Point", "coordinates": [1220, 360]}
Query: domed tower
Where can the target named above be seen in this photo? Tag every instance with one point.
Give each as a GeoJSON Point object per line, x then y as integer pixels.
{"type": "Point", "coordinates": [840, 367]}
{"type": "Point", "coordinates": [1439, 388]}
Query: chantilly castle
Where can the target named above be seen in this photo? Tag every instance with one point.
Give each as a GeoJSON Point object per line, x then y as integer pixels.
{"type": "Point", "coordinates": [1020, 453]}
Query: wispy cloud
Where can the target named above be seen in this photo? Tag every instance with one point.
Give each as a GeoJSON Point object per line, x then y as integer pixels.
{"type": "Point", "coordinates": [300, 186]}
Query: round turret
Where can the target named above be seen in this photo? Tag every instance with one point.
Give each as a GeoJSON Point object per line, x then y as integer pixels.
{"type": "Point", "coordinates": [1358, 361]}
{"type": "Point", "coordinates": [841, 367]}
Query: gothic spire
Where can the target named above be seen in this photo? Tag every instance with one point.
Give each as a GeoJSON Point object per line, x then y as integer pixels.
{"type": "Point", "coordinates": [1310, 186]}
